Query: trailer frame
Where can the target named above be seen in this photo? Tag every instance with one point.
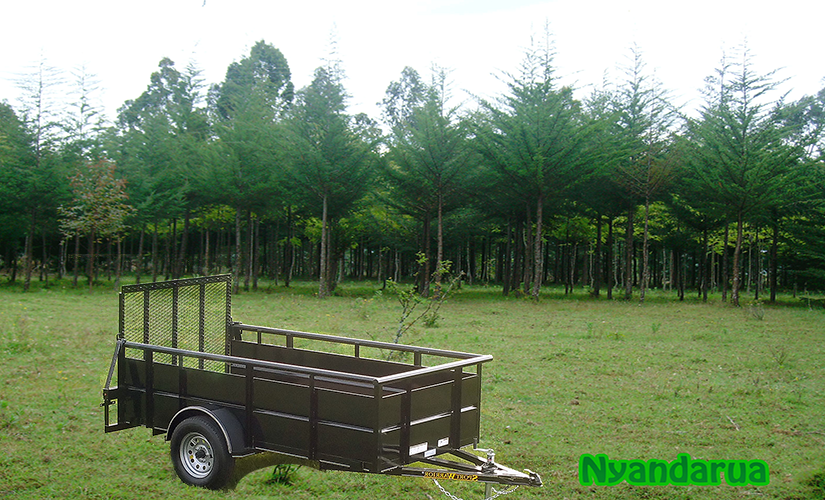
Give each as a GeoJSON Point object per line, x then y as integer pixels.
{"type": "Point", "coordinates": [239, 390]}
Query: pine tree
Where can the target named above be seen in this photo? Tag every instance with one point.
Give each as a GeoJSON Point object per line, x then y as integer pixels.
{"type": "Point", "coordinates": [646, 122]}
{"type": "Point", "coordinates": [533, 137]}
{"type": "Point", "coordinates": [740, 157]}
{"type": "Point", "coordinates": [430, 161]}
{"type": "Point", "coordinates": [329, 161]}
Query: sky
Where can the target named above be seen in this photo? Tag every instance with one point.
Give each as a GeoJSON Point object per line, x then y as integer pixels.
{"type": "Point", "coordinates": [479, 41]}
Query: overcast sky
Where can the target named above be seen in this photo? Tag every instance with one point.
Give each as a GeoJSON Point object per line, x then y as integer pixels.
{"type": "Point", "coordinates": [121, 42]}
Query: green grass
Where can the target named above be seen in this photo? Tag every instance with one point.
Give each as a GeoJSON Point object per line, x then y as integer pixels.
{"type": "Point", "coordinates": [570, 376]}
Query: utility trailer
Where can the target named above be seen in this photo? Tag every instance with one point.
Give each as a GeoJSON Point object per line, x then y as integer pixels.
{"type": "Point", "coordinates": [226, 394]}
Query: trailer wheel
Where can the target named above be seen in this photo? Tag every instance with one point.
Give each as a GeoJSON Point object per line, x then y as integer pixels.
{"type": "Point", "coordinates": [200, 453]}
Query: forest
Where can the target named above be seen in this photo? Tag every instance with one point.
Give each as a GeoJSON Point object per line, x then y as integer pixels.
{"type": "Point", "coordinates": [618, 192]}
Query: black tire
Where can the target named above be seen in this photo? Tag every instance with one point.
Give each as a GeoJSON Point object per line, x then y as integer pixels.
{"type": "Point", "coordinates": [200, 454]}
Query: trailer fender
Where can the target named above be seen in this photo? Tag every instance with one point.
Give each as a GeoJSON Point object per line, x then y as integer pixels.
{"type": "Point", "coordinates": [229, 424]}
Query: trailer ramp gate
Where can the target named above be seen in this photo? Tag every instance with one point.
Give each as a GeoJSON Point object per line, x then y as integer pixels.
{"type": "Point", "coordinates": [190, 314]}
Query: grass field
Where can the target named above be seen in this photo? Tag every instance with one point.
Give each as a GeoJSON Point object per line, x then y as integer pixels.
{"type": "Point", "coordinates": [570, 376]}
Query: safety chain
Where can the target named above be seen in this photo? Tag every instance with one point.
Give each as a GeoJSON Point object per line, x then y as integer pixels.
{"type": "Point", "coordinates": [496, 494]}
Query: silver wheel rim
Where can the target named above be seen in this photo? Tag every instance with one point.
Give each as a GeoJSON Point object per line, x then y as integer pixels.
{"type": "Point", "coordinates": [196, 455]}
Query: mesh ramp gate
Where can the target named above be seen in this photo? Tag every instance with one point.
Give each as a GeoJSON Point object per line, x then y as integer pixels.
{"type": "Point", "coordinates": [192, 314]}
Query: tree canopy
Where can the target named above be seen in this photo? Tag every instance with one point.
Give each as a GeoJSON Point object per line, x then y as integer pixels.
{"type": "Point", "coordinates": [531, 187]}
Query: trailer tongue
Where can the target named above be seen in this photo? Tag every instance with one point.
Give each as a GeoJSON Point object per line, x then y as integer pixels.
{"type": "Point", "coordinates": [224, 393]}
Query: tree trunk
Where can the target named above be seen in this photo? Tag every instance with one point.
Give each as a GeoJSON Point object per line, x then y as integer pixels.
{"type": "Point", "coordinates": [507, 265]}
{"type": "Point", "coordinates": [526, 260]}
{"type": "Point", "coordinates": [381, 259]}
{"type": "Point", "coordinates": [118, 262]}
{"type": "Point", "coordinates": [682, 274]}
{"type": "Point", "coordinates": [596, 269]}
{"type": "Point", "coordinates": [13, 278]}
{"type": "Point", "coordinates": [774, 266]}
{"type": "Point", "coordinates": [155, 253]}
{"type": "Point", "coordinates": [335, 267]}
{"type": "Point", "coordinates": [139, 267]}
{"type": "Point", "coordinates": [90, 268]}
{"type": "Point", "coordinates": [247, 275]}
{"type": "Point", "coordinates": [272, 255]}
{"type": "Point", "coordinates": [256, 257]}
{"type": "Point", "coordinates": [706, 266]}
{"type": "Point", "coordinates": [439, 269]}
{"type": "Point", "coordinates": [628, 261]}
{"type": "Point", "coordinates": [472, 267]}
{"type": "Point", "coordinates": [737, 254]}
{"type": "Point", "coordinates": [518, 245]}
{"type": "Point", "coordinates": [749, 280]}
{"type": "Point", "coordinates": [206, 252]}
{"type": "Point", "coordinates": [289, 258]}
{"type": "Point", "coordinates": [396, 275]}
{"type": "Point", "coordinates": [61, 266]}
{"type": "Point", "coordinates": [574, 253]}
{"type": "Point", "coordinates": [757, 263]}
{"type": "Point", "coordinates": [610, 277]}
{"type": "Point", "coordinates": [171, 251]}
{"type": "Point", "coordinates": [323, 285]}
{"type": "Point", "coordinates": [725, 263]}
{"type": "Point", "coordinates": [645, 254]}
{"type": "Point", "coordinates": [565, 260]}
{"type": "Point", "coordinates": [76, 269]}
{"type": "Point", "coordinates": [236, 265]}
{"type": "Point", "coordinates": [537, 254]}
{"type": "Point", "coordinates": [424, 278]}
{"type": "Point", "coordinates": [44, 261]}
{"type": "Point", "coordinates": [180, 267]}
{"type": "Point", "coordinates": [29, 254]}
{"type": "Point", "coordinates": [109, 259]}
{"type": "Point", "coordinates": [292, 261]}
{"type": "Point", "coordinates": [229, 253]}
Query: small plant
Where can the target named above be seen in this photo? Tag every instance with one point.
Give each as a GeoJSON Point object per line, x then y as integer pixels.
{"type": "Point", "coordinates": [654, 327]}
{"type": "Point", "coordinates": [779, 353]}
{"type": "Point", "coordinates": [553, 355]}
{"type": "Point", "coordinates": [677, 389]}
{"type": "Point", "coordinates": [816, 481]}
{"type": "Point", "coordinates": [410, 299]}
{"type": "Point", "coordinates": [591, 330]}
{"type": "Point", "coordinates": [755, 380]}
{"type": "Point", "coordinates": [362, 307]}
{"type": "Point", "coordinates": [7, 417]}
{"type": "Point", "coordinates": [756, 310]}
{"type": "Point", "coordinates": [616, 336]}
{"type": "Point", "coordinates": [798, 392]}
{"type": "Point", "coordinates": [18, 340]}
{"type": "Point", "coordinates": [431, 320]}
{"type": "Point", "coordinates": [703, 336]}
{"type": "Point", "coordinates": [283, 474]}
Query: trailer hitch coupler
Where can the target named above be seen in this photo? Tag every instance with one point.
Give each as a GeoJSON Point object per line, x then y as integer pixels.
{"type": "Point", "coordinates": [490, 465]}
